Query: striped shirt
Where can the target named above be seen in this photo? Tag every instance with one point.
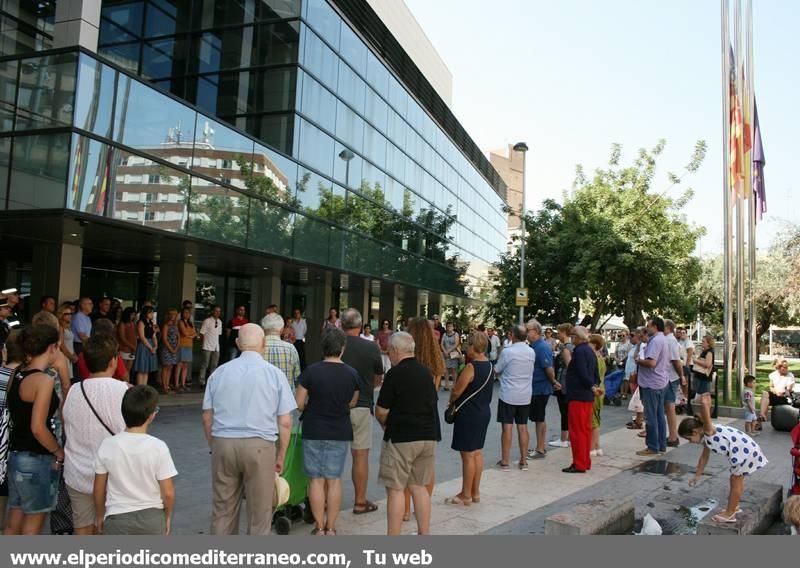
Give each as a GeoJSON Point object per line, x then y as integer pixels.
{"type": "Point", "coordinates": [284, 356]}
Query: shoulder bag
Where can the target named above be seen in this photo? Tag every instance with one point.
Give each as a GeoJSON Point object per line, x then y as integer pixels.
{"type": "Point", "coordinates": [452, 409]}
{"type": "Point", "coordinates": [96, 415]}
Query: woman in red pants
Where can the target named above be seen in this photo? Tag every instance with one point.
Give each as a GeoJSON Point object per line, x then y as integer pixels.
{"type": "Point", "coordinates": [582, 382]}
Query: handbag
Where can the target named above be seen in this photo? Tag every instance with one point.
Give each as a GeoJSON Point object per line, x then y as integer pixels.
{"type": "Point", "coordinates": [451, 410]}
{"type": "Point", "coordinates": [96, 415]}
{"type": "Point", "coordinates": [455, 355]}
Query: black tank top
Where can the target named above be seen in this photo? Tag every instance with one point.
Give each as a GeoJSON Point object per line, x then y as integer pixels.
{"type": "Point", "coordinates": [21, 438]}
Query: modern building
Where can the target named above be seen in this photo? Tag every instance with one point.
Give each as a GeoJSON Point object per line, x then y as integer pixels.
{"type": "Point", "coordinates": [237, 152]}
{"type": "Point", "coordinates": [508, 164]}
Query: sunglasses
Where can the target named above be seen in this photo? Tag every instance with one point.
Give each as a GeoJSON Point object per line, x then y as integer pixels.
{"type": "Point", "coordinates": [67, 314]}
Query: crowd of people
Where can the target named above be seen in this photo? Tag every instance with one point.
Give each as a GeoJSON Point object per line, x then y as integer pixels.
{"type": "Point", "coordinates": [76, 406]}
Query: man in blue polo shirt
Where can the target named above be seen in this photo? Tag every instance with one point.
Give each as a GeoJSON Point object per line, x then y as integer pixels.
{"type": "Point", "coordinates": [544, 382]}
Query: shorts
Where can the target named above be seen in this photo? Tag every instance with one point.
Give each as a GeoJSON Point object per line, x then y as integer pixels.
{"type": "Point", "coordinates": [750, 417]}
{"type": "Point", "coordinates": [126, 356]}
{"type": "Point", "coordinates": [538, 407]}
{"type": "Point", "coordinates": [361, 420]}
{"type": "Point", "coordinates": [142, 522]}
{"type": "Point", "coordinates": [82, 508]}
{"type": "Point", "coordinates": [185, 355]}
{"type": "Point", "coordinates": [512, 413]}
{"type": "Point", "coordinates": [775, 400]}
{"type": "Point", "coordinates": [32, 482]}
{"type": "Point", "coordinates": [672, 392]}
{"type": "Point", "coordinates": [702, 384]}
{"type": "Point", "coordinates": [324, 459]}
{"type": "Point", "coordinates": [407, 463]}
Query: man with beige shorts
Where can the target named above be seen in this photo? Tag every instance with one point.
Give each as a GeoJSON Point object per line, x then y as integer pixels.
{"type": "Point", "coordinates": [365, 357]}
{"type": "Point", "coordinates": [408, 410]}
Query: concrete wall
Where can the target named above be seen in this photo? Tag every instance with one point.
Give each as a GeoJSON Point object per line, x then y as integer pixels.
{"type": "Point", "coordinates": [508, 164]}
{"type": "Point", "coordinates": [405, 28]}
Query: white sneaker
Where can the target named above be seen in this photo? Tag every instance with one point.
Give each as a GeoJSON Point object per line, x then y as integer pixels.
{"type": "Point", "coordinates": [598, 452]}
{"type": "Point", "coordinates": [593, 453]}
{"type": "Point", "coordinates": [558, 444]}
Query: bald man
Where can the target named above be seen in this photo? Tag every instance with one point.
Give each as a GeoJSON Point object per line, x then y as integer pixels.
{"type": "Point", "coordinates": [247, 407]}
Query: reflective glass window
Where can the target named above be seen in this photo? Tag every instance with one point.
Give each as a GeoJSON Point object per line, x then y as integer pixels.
{"type": "Point", "coordinates": [349, 126]}
{"type": "Point", "coordinates": [373, 181]}
{"type": "Point", "coordinates": [377, 75]}
{"type": "Point", "coordinates": [352, 88]}
{"type": "Point", "coordinates": [167, 17]}
{"type": "Point", "coordinates": [315, 148]}
{"type": "Point", "coordinates": [320, 60]}
{"type": "Point", "coordinates": [126, 55]}
{"type": "Point", "coordinates": [395, 161]}
{"type": "Point", "coordinates": [93, 105]}
{"type": "Point", "coordinates": [17, 37]}
{"type": "Point", "coordinates": [275, 44]}
{"type": "Point", "coordinates": [347, 166]}
{"type": "Point", "coordinates": [277, 130]}
{"type": "Point", "coordinates": [324, 20]}
{"type": "Point", "coordinates": [88, 187]}
{"type": "Point", "coordinates": [353, 49]}
{"type": "Point", "coordinates": [220, 152]}
{"type": "Point", "coordinates": [271, 228]}
{"type": "Point", "coordinates": [314, 190]}
{"type": "Point", "coordinates": [375, 146]}
{"type": "Point", "coordinates": [397, 129]}
{"type": "Point", "coordinates": [272, 175]}
{"type": "Point", "coordinates": [164, 58]}
{"type": "Point", "coordinates": [150, 120]}
{"type": "Point", "coordinates": [39, 172]}
{"type": "Point", "coordinates": [121, 21]}
{"type": "Point", "coordinates": [272, 90]}
{"type": "Point", "coordinates": [311, 240]}
{"type": "Point", "coordinates": [217, 213]}
{"type": "Point", "coordinates": [47, 91]}
{"type": "Point", "coordinates": [318, 103]}
{"type": "Point", "coordinates": [148, 193]}
{"type": "Point", "coordinates": [8, 94]}
{"type": "Point", "coordinates": [398, 97]}
{"type": "Point", "coordinates": [5, 160]}
{"type": "Point", "coordinates": [376, 110]}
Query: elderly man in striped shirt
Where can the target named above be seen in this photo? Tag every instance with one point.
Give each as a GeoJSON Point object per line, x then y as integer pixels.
{"type": "Point", "coordinates": [278, 352]}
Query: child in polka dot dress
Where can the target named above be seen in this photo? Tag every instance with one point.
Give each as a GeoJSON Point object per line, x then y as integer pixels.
{"type": "Point", "coordinates": [744, 455]}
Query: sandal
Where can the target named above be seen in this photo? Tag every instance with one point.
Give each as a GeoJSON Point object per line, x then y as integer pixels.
{"type": "Point", "coordinates": [364, 508]}
{"type": "Point", "coordinates": [503, 466]}
{"type": "Point", "coordinates": [634, 426]}
{"type": "Point", "coordinates": [458, 501]}
{"type": "Point", "coordinates": [642, 434]}
{"type": "Point", "coordinates": [318, 532]}
{"type": "Point", "coordinates": [406, 518]}
{"type": "Point", "coordinates": [330, 532]}
{"type": "Point", "coordinates": [476, 499]}
{"type": "Point", "coordinates": [724, 520]}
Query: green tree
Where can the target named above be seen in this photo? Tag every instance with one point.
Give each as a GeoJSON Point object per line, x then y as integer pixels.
{"type": "Point", "coordinates": [613, 243]}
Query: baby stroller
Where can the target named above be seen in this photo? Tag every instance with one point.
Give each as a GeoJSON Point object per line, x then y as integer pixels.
{"type": "Point", "coordinates": [297, 507]}
{"type": "Point", "coordinates": [794, 489]}
{"type": "Point", "coordinates": [613, 381]}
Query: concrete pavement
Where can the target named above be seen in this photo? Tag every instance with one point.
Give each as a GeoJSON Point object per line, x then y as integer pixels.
{"type": "Point", "coordinates": [512, 502]}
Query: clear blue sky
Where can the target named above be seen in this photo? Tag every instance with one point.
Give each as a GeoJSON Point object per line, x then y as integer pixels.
{"type": "Point", "coordinates": [574, 76]}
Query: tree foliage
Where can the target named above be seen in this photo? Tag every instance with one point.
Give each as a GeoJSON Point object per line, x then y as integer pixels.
{"type": "Point", "coordinates": [613, 243]}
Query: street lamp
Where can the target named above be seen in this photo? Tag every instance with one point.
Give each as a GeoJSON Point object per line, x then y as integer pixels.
{"type": "Point", "coordinates": [522, 147]}
{"type": "Point", "coordinates": [346, 155]}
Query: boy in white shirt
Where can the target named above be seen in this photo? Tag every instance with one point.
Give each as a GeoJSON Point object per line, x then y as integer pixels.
{"type": "Point", "coordinates": [133, 489]}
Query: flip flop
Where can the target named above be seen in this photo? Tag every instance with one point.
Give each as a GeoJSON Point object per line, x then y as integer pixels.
{"type": "Point", "coordinates": [642, 434]}
{"type": "Point", "coordinates": [364, 508]}
{"type": "Point", "coordinates": [724, 520]}
{"type": "Point", "coordinates": [457, 501]}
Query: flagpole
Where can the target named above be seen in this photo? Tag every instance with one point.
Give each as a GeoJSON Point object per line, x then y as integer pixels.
{"type": "Point", "coordinates": [741, 348]}
{"type": "Point", "coordinates": [726, 199]}
{"type": "Point", "coordinates": [751, 241]}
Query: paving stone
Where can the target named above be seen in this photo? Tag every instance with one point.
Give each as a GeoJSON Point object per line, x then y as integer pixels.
{"type": "Point", "coordinates": [599, 516]}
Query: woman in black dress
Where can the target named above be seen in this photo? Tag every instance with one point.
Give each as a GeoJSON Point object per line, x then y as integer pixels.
{"type": "Point", "coordinates": [473, 391]}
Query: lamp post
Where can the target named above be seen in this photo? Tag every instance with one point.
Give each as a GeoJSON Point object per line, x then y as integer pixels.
{"type": "Point", "coordinates": [522, 147]}
{"type": "Point", "coordinates": [346, 155]}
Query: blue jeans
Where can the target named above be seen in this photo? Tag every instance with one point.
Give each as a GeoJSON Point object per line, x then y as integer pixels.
{"type": "Point", "coordinates": [653, 402]}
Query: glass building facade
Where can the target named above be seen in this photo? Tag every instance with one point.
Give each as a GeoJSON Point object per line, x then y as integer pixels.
{"type": "Point", "coordinates": [270, 126]}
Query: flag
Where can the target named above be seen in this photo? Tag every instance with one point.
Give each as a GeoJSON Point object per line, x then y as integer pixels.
{"type": "Point", "coordinates": [759, 161]}
{"type": "Point", "coordinates": [740, 141]}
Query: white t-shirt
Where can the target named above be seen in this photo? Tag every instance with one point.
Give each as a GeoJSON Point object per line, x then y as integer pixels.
{"type": "Point", "coordinates": [367, 337]}
{"type": "Point", "coordinates": [135, 463]}
{"type": "Point", "coordinates": [494, 342]}
{"type": "Point", "coordinates": [211, 330]}
{"type": "Point", "coordinates": [300, 328]}
{"type": "Point", "coordinates": [83, 430]}
{"type": "Point", "coordinates": [782, 382]}
{"type": "Point", "coordinates": [674, 355]}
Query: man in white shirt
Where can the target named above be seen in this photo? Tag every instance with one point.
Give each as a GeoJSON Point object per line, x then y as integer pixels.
{"type": "Point", "coordinates": [300, 328]}
{"type": "Point", "coordinates": [210, 332]}
{"type": "Point", "coordinates": [515, 368]}
{"type": "Point", "coordinates": [246, 408]}
{"type": "Point", "coordinates": [676, 382]}
{"type": "Point", "coordinates": [92, 412]}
